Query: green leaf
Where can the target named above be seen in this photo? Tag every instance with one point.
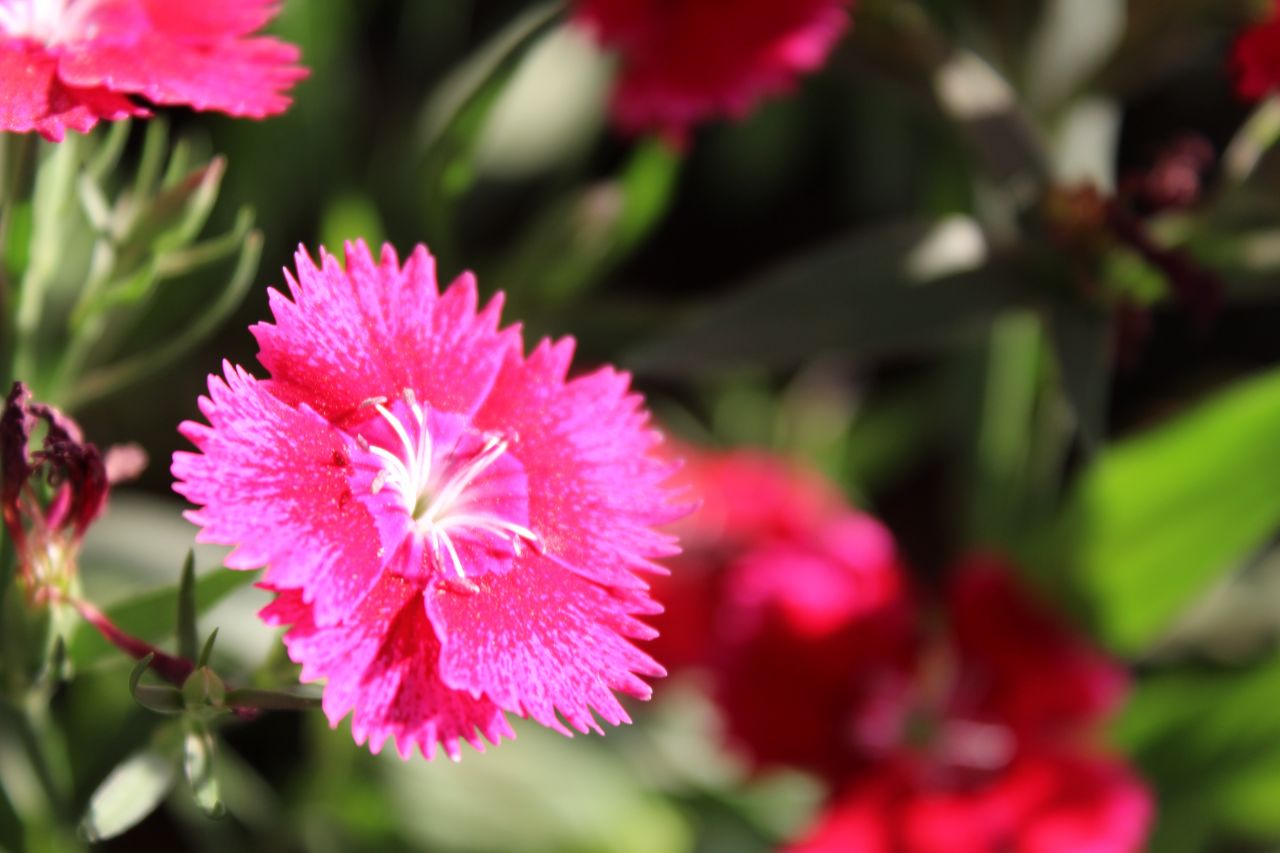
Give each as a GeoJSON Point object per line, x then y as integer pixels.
{"type": "Point", "coordinates": [187, 608]}
{"type": "Point", "coordinates": [197, 764]}
{"type": "Point", "coordinates": [1155, 520]}
{"type": "Point", "coordinates": [150, 616]}
{"type": "Point", "coordinates": [899, 288]}
{"type": "Point", "coordinates": [1081, 337]}
{"type": "Point", "coordinates": [1210, 742]}
{"type": "Point", "coordinates": [11, 834]}
{"type": "Point", "coordinates": [130, 793]}
{"type": "Point", "coordinates": [271, 700]}
{"type": "Point", "coordinates": [207, 649]}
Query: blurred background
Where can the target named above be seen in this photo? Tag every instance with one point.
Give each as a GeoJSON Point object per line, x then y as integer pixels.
{"type": "Point", "coordinates": [908, 275]}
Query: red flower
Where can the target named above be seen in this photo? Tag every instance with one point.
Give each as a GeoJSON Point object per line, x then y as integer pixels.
{"type": "Point", "coordinates": [684, 61]}
{"type": "Point", "coordinates": [68, 63]}
{"type": "Point", "coordinates": [1257, 57]}
{"type": "Point", "coordinates": [745, 498]}
{"type": "Point", "coordinates": [972, 737]}
{"type": "Point", "coordinates": [1042, 803]}
{"type": "Point", "coordinates": [815, 647]}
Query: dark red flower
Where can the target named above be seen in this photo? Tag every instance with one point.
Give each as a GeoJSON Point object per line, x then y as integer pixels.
{"type": "Point", "coordinates": [1043, 803]}
{"type": "Point", "coordinates": [1256, 58]}
{"type": "Point", "coordinates": [47, 518]}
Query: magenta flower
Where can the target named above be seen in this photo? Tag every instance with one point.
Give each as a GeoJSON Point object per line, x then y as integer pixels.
{"type": "Point", "coordinates": [453, 528]}
{"type": "Point", "coordinates": [68, 63]}
{"type": "Point", "coordinates": [685, 61]}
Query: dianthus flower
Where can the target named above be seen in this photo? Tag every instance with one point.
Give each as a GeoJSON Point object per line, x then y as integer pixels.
{"type": "Point", "coordinates": [988, 745]}
{"type": "Point", "coordinates": [51, 493]}
{"type": "Point", "coordinates": [68, 63]}
{"type": "Point", "coordinates": [745, 497]}
{"type": "Point", "coordinates": [1257, 57]}
{"type": "Point", "coordinates": [685, 61]}
{"type": "Point", "coordinates": [452, 528]}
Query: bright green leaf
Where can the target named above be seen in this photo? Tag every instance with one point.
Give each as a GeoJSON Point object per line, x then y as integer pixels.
{"type": "Point", "coordinates": [1156, 519]}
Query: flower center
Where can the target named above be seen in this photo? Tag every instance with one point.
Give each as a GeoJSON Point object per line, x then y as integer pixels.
{"type": "Point", "coordinates": [437, 482]}
{"type": "Point", "coordinates": [46, 21]}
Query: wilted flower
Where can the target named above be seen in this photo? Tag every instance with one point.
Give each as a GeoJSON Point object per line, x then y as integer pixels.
{"type": "Point", "coordinates": [68, 63]}
{"type": "Point", "coordinates": [51, 494]}
{"type": "Point", "coordinates": [1257, 57]}
{"type": "Point", "coordinates": [453, 528]}
{"type": "Point", "coordinates": [685, 61]}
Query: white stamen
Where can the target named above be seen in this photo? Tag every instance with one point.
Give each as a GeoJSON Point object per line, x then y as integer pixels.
{"type": "Point", "coordinates": [411, 474]}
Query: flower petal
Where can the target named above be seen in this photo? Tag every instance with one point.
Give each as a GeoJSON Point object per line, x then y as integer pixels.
{"type": "Point", "coordinates": [185, 52]}
{"type": "Point", "coordinates": [540, 639]}
{"type": "Point", "coordinates": [596, 486]}
{"type": "Point", "coordinates": [35, 99]}
{"type": "Point", "coordinates": [381, 665]}
{"type": "Point", "coordinates": [273, 480]}
{"type": "Point", "coordinates": [376, 329]}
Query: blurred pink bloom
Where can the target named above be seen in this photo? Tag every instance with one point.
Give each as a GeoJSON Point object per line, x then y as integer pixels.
{"type": "Point", "coordinates": [68, 63]}
{"type": "Point", "coordinates": [686, 61]}
{"type": "Point", "coordinates": [816, 647]}
{"type": "Point", "coordinates": [745, 498]}
{"type": "Point", "coordinates": [1257, 57]}
{"type": "Point", "coordinates": [453, 528]}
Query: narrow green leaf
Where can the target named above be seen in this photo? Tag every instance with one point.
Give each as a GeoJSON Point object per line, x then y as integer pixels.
{"type": "Point", "coordinates": [105, 380]}
{"type": "Point", "coordinates": [272, 700]}
{"type": "Point", "coordinates": [138, 669]}
{"type": "Point", "coordinates": [1156, 519]}
{"type": "Point", "coordinates": [160, 699]}
{"type": "Point", "coordinates": [187, 608]}
{"type": "Point", "coordinates": [150, 616]}
{"type": "Point", "coordinates": [899, 288]}
{"type": "Point", "coordinates": [207, 650]}
{"type": "Point", "coordinates": [1081, 337]}
{"type": "Point", "coordinates": [130, 793]}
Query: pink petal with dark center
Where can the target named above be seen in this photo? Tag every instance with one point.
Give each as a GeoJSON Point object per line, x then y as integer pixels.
{"type": "Point", "coordinates": [380, 665]}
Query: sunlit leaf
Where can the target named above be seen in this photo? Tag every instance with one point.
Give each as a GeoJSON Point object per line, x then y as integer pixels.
{"type": "Point", "coordinates": [1157, 518]}
{"type": "Point", "coordinates": [130, 793]}
{"type": "Point", "coordinates": [198, 765]}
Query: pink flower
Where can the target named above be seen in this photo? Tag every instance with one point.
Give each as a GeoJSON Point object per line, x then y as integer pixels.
{"type": "Point", "coordinates": [685, 61]}
{"type": "Point", "coordinates": [454, 530]}
{"type": "Point", "coordinates": [1256, 58]}
{"type": "Point", "coordinates": [68, 63]}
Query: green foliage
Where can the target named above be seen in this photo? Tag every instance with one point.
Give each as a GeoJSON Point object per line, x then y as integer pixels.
{"type": "Point", "coordinates": [150, 616]}
{"type": "Point", "coordinates": [1157, 518]}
